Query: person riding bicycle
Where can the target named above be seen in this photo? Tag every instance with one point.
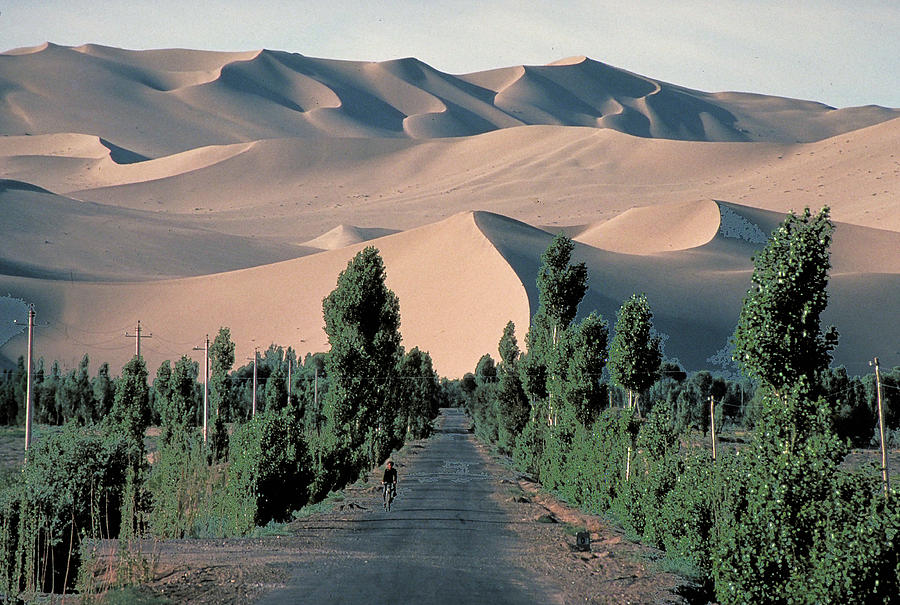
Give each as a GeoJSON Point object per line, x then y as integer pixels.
{"type": "Point", "coordinates": [389, 480]}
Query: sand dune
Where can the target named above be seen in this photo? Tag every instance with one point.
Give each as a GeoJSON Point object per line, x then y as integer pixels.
{"type": "Point", "coordinates": [49, 236]}
{"type": "Point", "coordinates": [655, 229]}
{"type": "Point", "coordinates": [195, 99]}
{"type": "Point", "coordinates": [231, 189]}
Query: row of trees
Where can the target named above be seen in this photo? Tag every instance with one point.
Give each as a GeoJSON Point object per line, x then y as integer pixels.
{"type": "Point", "coordinates": [94, 478]}
{"type": "Point", "coordinates": [777, 519]}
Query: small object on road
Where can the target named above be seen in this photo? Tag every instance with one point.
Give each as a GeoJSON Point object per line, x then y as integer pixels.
{"type": "Point", "coordinates": [583, 541]}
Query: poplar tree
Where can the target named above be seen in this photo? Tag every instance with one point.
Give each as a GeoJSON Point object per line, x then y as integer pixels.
{"type": "Point", "coordinates": [778, 339]}
{"type": "Point", "coordinates": [131, 406]}
{"type": "Point", "coordinates": [561, 286]}
{"type": "Point", "coordinates": [512, 402]}
{"type": "Point", "coordinates": [221, 360]}
{"type": "Point", "coordinates": [362, 321]}
{"type": "Point", "coordinates": [635, 353]}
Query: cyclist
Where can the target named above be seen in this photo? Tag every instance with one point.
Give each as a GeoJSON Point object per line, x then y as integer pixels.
{"type": "Point", "coordinates": [389, 481]}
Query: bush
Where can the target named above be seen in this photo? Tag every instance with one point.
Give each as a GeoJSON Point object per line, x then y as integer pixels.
{"type": "Point", "coordinates": [269, 473]}
{"type": "Point", "coordinates": [184, 490]}
{"type": "Point", "coordinates": [71, 490]}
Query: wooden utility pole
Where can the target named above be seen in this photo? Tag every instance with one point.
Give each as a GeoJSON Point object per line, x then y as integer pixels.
{"type": "Point", "coordinates": [712, 425]}
{"type": "Point", "coordinates": [205, 350]}
{"type": "Point", "coordinates": [137, 336]}
{"type": "Point", "coordinates": [255, 357]}
{"type": "Point", "coordinates": [29, 390]}
{"type": "Point", "coordinates": [29, 379]}
{"type": "Point", "coordinates": [884, 460]}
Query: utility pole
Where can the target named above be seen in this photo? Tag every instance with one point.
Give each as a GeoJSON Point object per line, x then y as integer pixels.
{"type": "Point", "coordinates": [29, 384]}
{"type": "Point", "coordinates": [884, 461]}
{"type": "Point", "coordinates": [29, 391]}
{"type": "Point", "coordinates": [290, 367]}
{"type": "Point", "coordinates": [255, 357]}
{"type": "Point", "coordinates": [137, 336]}
{"type": "Point", "coordinates": [712, 424]}
{"type": "Point", "coordinates": [205, 350]}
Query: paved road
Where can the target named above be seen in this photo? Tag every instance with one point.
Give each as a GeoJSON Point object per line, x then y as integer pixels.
{"type": "Point", "coordinates": [445, 541]}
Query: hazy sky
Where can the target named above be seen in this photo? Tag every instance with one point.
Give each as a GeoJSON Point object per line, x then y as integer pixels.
{"type": "Point", "coordinates": [841, 52]}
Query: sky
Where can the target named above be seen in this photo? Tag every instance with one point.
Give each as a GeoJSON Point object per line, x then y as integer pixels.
{"type": "Point", "coordinates": [840, 52]}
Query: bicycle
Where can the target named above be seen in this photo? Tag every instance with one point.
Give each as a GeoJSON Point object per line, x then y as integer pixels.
{"type": "Point", "coordinates": [388, 491]}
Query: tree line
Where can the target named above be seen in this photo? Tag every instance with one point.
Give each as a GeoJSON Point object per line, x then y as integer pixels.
{"type": "Point", "coordinates": [608, 425]}
{"type": "Point", "coordinates": [94, 478]}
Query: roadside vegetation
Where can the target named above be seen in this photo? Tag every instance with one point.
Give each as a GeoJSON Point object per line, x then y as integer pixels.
{"type": "Point", "coordinates": [609, 425]}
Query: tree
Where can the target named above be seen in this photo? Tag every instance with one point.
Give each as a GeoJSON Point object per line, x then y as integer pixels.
{"type": "Point", "coordinates": [221, 360]}
{"type": "Point", "coordinates": [75, 395]}
{"type": "Point", "coordinates": [131, 405]}
{"type": "Point", "coordinates": [586, 358]}
{"type": "Point", "coordinates": [778, 339]}
{"type": "Point", "coordinates": [276, 389]}
{"type": "Point", "coordinates": [561, 286]}
{"type": "Point", "coordinates": [512, 402]}
{"type": "Point", "coordinates": [362, 321]}
{"type": "Point", "coordinates": [420, 395]}
{"type": "Point", "coordinates": [176, 417]}
{"type": "Point", "coordinates": [635, 353]}
{"type": "Point", "coordinates": [104, 391]}
{"type": "Point", "coordinates": [485, 370]}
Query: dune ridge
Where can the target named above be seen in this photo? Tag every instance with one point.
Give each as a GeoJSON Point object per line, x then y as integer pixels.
{"type": "Point", "coordinates": [266, 94]}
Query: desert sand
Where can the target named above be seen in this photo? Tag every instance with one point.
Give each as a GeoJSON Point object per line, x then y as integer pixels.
{"type": "Point", "coordinates": [192, 190]}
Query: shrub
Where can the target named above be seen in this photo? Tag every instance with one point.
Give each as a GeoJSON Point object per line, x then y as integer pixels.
{"type": "Point", "coordinates": [71, 490]}
{"type": "Point", "coordinates": [269, 473]}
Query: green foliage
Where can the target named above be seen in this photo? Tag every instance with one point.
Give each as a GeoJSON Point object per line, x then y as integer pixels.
{"type": "Point", "coordinates": [176, 400]}
{"type": "Point", "coordinates": [561, 284]}
{"type": "Point", "coordinates": [580, 359]}
{"type": "Point", "coordinates": [778, 339]}
{"type": "Point", "coordinates": [221, 360]}
{"type": "Point", "coordinates": [269, 474]}
{"type": "Point", "coordinates": [418, 396]}
{"type": "Point", "coordinates": [186, 493]}
{"type": "Point", "coordinates": [635, 353]}
{"type": "Point", "coordinates": [362, 321]}
{"type": "Point", "coordinates": [71, 490]}
{"type": "Point", "coordinates": [485, 370]}
{"type": "Point", "coordinates": [512, 403]}
{"type": "Point", "coordinates": [771, 517]}
{"type": "Point", "coordinates": [131, 410]}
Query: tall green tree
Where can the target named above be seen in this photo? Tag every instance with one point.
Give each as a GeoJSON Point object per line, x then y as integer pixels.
{"type": "Point", "coordinates": [561, 286]}
{"type": "Point", "coordinates": [586, 354]}
{"type": "Point", "coordinates": [512, 402]}
{"type": "Point", "coordinates": [75, 395]}
{"type": "Point", "coordinates": [778, 339]}
{"type": "Point", "coordinates": [419, 396]}
{"type": "Point", "coordinates": [362, 321]}
{"type": "Point", "coordinates": [131, 406]}
{"type": "Point", "coordinates": [635, 353]}
{"type": "Point", "coordinates": [104, 391]}
{"type": "Point", "coordinates": [221, 360]}
{"type": "Point", "coordinates": [276, 388]}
